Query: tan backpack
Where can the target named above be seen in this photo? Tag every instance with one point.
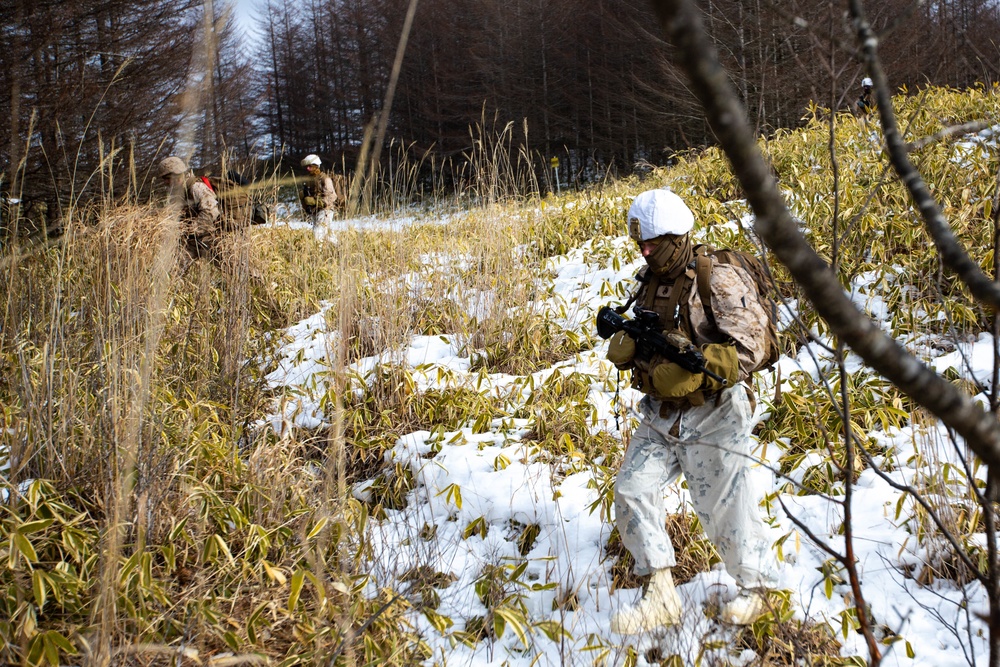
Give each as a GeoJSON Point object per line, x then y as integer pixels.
{"type": "Point", "coordinates": [238, 203]}
{"type": "Point", "coordinates": [765, 292]}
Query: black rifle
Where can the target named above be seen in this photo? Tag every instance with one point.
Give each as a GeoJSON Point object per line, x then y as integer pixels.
{"type": "Point", "coordinates": [309, 191]}
{"type": "Point", "coordinates": [645, 330]}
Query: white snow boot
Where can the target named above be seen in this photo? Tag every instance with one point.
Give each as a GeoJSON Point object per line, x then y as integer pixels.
{"type": "Point", "coordinates": [745, 608]}
{"type": "Point", "coordinates": [660, 606]}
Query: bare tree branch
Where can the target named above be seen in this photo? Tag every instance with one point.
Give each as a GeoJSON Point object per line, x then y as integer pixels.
{"type": "Point", "coordinates": [950, 131]}
{"type": "Point", "coordinates": [850, 560]}
{"type": "Point", "coordinates": [682, 25]}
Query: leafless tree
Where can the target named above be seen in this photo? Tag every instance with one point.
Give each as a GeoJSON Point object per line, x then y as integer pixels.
{"type": "Point", "coordinates": [596, 83]}
{"type": "Point", "coordinates": [84, 81]}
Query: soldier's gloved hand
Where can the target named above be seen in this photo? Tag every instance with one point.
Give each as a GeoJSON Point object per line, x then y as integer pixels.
{"type": "Point", "coordinates": [621, 350]}
{"type": "Point", "coordinates": [672, 381]}
{"type": "Point", "coordinates": [309, 202]}
{"type": "Point", "coordinates": [722, 360]}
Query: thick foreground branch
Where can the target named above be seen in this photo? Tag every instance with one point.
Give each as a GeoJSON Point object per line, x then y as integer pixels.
{"type": "Point", "coordinates": [682, 26]}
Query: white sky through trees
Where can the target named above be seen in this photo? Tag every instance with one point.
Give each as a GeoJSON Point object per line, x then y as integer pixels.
{"type": "Point", "coordinates": [246, 12]}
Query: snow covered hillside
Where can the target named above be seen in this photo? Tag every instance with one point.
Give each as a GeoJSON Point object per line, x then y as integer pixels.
{"type": "Point", "coordinates": [498, 531]}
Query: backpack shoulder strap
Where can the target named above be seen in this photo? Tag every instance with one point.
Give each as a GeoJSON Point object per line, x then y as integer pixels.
{"type": "Point", "coordinates": [677, 304]}
{"type": "Point", "coordinates": [703, 270]}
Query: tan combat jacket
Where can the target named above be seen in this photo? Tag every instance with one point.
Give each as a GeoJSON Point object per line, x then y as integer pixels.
{"type": "Point", "coordinates": [201, 208]}
{"type": "Point", "coordinates": [326, 194]}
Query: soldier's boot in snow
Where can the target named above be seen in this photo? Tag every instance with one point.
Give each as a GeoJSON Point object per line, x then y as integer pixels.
{"type": "Point", "coordinates": [660, 606]}
{"type": "Point", "coordinates": [746, 607]}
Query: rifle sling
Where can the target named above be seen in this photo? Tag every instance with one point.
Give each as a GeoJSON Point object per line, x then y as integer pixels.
{"type": "Point", "coordinates": [643, 279]}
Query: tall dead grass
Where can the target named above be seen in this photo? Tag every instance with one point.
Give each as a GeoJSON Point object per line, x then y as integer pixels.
{"type": "Point", "coordinates": [154, 517]}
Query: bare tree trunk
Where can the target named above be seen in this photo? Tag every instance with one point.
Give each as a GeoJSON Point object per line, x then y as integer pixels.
{"type": "Point", "coordinates": [15, 98]}
{"type": "Point", "coordinates": [276, 72]}
{"type": "Point", "coordinates": [547, 132]}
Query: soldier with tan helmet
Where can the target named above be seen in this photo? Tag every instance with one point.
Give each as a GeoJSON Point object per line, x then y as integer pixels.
{"type": "Point", "coordinates": [319, 196]}
{"type": "Point", "coordinates": [693, 423]}
{"type": "Point", "coordinates": [199, 207]}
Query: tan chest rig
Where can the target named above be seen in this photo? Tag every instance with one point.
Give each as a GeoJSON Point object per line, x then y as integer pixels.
{"type": "Point", "coordinates": [670, 300]}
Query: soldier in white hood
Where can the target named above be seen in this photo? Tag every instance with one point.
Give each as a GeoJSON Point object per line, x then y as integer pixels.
{"type": "Point", "coordinates": [692, 423]}
{"type": "Point", "coordinates": [864, 103]}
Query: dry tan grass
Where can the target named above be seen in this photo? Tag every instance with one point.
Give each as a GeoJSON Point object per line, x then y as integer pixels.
{"type": "Point", "coordinates": [133, 382]}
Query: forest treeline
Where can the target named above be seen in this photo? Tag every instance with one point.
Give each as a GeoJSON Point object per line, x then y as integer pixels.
{"type": "Point", "coordinates": [100, 86]}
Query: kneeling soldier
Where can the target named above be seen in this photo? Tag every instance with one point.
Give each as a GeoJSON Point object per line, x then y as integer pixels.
{"type": "Point", "coordinates": [199, 208]}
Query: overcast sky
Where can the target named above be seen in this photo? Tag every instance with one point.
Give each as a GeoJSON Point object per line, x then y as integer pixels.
{"type": "Point", "coordinates": [246, 12]}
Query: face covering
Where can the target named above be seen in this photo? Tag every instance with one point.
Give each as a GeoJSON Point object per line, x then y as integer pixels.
{"type": "Point", "coordinates": [671, 255]}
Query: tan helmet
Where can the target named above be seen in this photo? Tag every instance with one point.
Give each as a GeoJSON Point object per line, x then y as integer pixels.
{"type": "Point", "coordinates": [172, 165]}
{"type": "Point", "coordinates": [311, 159]}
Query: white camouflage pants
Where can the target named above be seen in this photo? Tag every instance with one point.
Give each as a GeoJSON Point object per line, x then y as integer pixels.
{"type": "Point", "coordinates": [713, 451]}
{"type": "Point", "coordinates": [323, 218]}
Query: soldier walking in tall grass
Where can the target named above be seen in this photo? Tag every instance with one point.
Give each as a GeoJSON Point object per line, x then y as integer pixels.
{"type": "Point", "coordinates": [695, 423]}
{"type": "Point", "coordinates": [199, 209]}
{"type": "Point", "coordinates": [319, 196]}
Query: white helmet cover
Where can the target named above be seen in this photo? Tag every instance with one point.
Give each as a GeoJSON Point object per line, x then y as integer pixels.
{"type": "Point", "coordinates": [311, 159]}
{"type": "Point", "coordinates": [657, 212]}
{"type": "Point", "coordinates": [866, 82]}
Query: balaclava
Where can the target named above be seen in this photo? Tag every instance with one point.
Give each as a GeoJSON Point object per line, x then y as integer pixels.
{"type": "Point", "coordinates": [671, 255]}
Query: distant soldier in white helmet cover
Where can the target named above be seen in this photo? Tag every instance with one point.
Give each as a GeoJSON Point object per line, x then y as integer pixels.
{"type": "Point", "coordinates": [319, 196]}
{"type": "Point", "coordinates": [199, 207]}
{"type": "Point", "coordinates": [692, 423]}
{"type": "Point", "coordinates": [864, 103]}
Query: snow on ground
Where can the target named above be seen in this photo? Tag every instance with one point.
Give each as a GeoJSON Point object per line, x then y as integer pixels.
{"type": "Point", "coordinates": [290, 217]}
{"type": "Point", "coordinates": [475, 493]}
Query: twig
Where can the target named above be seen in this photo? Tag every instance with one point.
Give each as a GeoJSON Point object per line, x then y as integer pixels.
{"type": "Point", "coordinates": [850, 560]}
{"type": "Point", "coordinates": [983, 288]}
{"type": "Point", "coordinates": [950, 131]}
{"type": "Point", "coordinates": [351, 634]}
